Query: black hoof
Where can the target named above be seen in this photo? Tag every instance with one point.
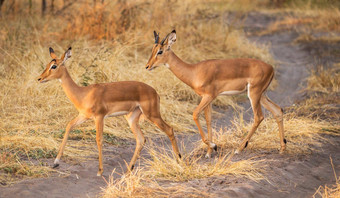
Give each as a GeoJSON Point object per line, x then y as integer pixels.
{"type": "Point", "coordinates": [285, 141]}
{"type": "Point", "coordinates": [246, 145]}
{"type": "Point", "coordinates": [55, 165]}
{"type": "Point", "coordinates": [215, 147]}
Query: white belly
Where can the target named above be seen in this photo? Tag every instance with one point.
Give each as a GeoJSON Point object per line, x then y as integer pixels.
{"type": "Point", "coordinates": [119, 113]}
{"type": "Point", "coordinates": [233, 92]}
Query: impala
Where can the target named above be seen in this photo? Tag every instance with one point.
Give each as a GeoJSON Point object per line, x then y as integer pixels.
{"type": "Point", "coordinates": [99, 101]}
{"type": "Point", "coordinates": [211, 78]}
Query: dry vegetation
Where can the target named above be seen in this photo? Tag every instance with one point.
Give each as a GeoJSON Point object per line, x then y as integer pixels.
{"type": "Point", "coordinates": [111, 42]}
{"type": "Point", "coordinates": [301, 133]}
{"type": "Point", "coordinates": [149, 181]}
{"type": "Point", "coordinates": [138, 185]}
{"type": "Point", "coordinates": [323, 95]}
{"type": "Point", "coordinates": [329, 192]}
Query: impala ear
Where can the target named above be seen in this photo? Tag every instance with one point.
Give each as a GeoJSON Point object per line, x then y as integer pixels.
{"type": "Point", "coordinates": [66, 55]}
{"type": "Point", "coordinates": [171, 39]}
{"type": "Point", "coordinates": [52, 54]}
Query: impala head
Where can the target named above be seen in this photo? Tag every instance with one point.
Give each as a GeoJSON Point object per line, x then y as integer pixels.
{"type": "Point", "coordinates": [160, 50]}
{"type": "Point", "coordinates": [54, 69]}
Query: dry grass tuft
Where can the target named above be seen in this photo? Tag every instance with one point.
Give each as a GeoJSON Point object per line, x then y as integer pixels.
{"type": "Point", "coordinates": [164, 165]}
{"type": "Point", "coordinates": [324, 80]}
{"type": "Point", "coordinates": [329, 192]}
{"type": "Point", "coordinates": [301, 133]}
{"type": "Point", "coordinates": [323, 95]}
{"type": "Point", "coordinates": [136, 184]}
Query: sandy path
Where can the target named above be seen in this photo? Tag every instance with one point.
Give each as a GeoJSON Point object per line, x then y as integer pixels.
{"type": "Point", "coordinates": [290, 176]}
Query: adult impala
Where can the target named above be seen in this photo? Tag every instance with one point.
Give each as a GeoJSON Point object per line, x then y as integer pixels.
{"type": "Point", "coordinates": [212, 78]}
{"type": "Point", "coordinates": [98, 101]}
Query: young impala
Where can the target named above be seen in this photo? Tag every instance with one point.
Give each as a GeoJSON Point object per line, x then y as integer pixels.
{"type": "Point", "coordinates": [212, 78]}
{"type": "Point", "coordinates": [98, 101]}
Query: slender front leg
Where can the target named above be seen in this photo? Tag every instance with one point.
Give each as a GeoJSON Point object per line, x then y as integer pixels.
{"type": "Point", "coordinates": [206, 100]}
{"type": "Point", "coordinates": [99, 138]}
{"type": "Point", "coordinates": [76, 121]}
{"type": "Point", "coordinates": [207, 113]}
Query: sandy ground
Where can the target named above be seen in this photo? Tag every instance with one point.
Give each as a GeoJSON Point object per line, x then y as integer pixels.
{"type": "Point", "coordinates": [289, 176]}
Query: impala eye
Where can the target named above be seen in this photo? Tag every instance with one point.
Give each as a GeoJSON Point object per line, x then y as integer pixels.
{"type": "Point", "coordinates": [54, 67]}
{"type": "Point", "coordinates": [160, 52]}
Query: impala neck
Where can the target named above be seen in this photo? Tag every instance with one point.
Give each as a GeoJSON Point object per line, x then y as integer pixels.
{"type": "Point", "coordinates": [182, 70]}
{"type": "Point", "coordinates": [72, 90]}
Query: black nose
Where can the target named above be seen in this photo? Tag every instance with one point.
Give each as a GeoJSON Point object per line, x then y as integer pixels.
{"type": "Point", "coordinates": [39, 79]}
{"type": "Point", "coordinates": [147, 67]}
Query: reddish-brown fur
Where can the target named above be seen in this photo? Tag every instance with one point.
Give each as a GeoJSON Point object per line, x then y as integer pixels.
{"type": "Point", "coordinates": [97, 101]}
{"type": "Point", "coordinates": [211, 78]}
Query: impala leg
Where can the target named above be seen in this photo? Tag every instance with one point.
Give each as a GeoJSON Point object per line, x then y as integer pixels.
{"type": "Point", "coordinates": [254, 98]}
{"type": "Point", "coordinates": [133, 119]}
{"type": "Point", "coordinates": [207, 113]}
{"type": "Point", "coordinates": [159, 122]}
{"type": "Point", "coordinates": [206, 100]}
{"type": "Point", "coordinates": [278, 115]}
{"type": "Point", "coordinates": [76, 121]}
{"type": "Point", "coordinates": [99, 120]}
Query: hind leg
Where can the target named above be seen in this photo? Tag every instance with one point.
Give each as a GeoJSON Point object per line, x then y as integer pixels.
{"type": "Point", "coordinates": [133, 119]}
{"type": "Point", "coordinates": [254, 97]}
{"type": "Point", "coordinates": [278, 115]}
{"type": "Point", "coordinates": [207, 113]}
{"type": "Point", "coordinates": [151, 110]}
{"type": "Point", "coordinates": [159, 122]}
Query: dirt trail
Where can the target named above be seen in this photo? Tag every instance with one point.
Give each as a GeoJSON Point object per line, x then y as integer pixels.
{"type": "Point", "coordinates": [290, 176]}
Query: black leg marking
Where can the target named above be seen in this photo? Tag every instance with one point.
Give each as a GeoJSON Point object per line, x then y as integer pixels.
{"type": "Point", "coordinates": [246, 145]}
{"type": "Point", "coordinates": [55, 165]}
{"type": "Point", "coordinates": [133, 166]}
{"type": "Point", "coordinates": [179, 155]}
{"type": "Point", "coordinates": [281, 110]}
{"type": "Point", "coordinates": [285, 141]}
{"type": "Point", "coordinates": [215, 147]}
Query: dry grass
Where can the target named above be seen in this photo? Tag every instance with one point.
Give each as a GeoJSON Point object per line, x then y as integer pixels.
{"type": "Point", "coordinates": [324, 80]}
{"type": "Point", "coordinates": [110, 42]}
{"type": "Point", "coordinates": [306, 16]}
{"type": "Point", "coordinates": [329, 192]}
{"type": "Point", "coordinates": [323, 94]}
{"type": "Point", "coordinates": [325, 20]}
{"type": "Point", "coordinates": [303, 134]}
{"type": "Point", "coordinates": [137, 184]}
{"type": "Point", "coordinates": [13, 168]}
{"type": "Point", "coordinates": [163, 166]}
